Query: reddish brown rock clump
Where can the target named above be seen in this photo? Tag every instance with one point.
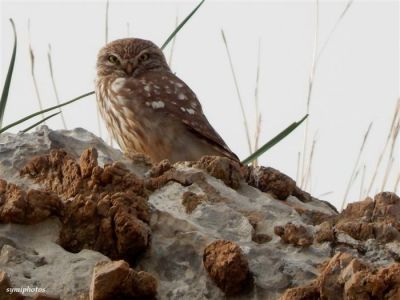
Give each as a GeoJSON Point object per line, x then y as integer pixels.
{"type": "Point", "coordinates": [18, 206]}
{"type": "Point", "coordinates": [294, 234]}
{"type": "Point", "coordinates": [227, 266]}
{"type": "Point", "coordinates": [345, 277]}
{"type": "Point", "coordinates": [372, 219]}
{"type": "Point", "coordinates": [104, 209]}
{"type": "Point", "coordinates": [271, 181]}
{"type": "Point", "coordinates": [221, 168]}
{"type": "Point", "coordinates": [115, 280]}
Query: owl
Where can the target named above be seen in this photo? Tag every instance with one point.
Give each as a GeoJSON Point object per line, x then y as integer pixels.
{"type": "Point", "coordinates": [148, 109]}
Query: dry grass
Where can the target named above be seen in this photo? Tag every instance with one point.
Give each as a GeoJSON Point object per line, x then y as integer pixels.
{"type": "Point", "coordinates": [355, 171]}
{"type": "Point", "coordinates": [53, 82]}
{"type": "Point", "coordinates": [245, 123]}
{"type": "Point", "coordinates": [257, 103]}
{"type": "Point", "coordinates": [314, 64]}
{"type": "Point", "coordinates": [382, 154]}
{"type": "Point", "coordinates": [32, 60]}
{"type": "Point", "coordinates": [171, 52]}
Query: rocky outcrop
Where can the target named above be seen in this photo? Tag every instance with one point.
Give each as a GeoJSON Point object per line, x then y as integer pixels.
{"type": "Point", "coordinates": [80, 221]}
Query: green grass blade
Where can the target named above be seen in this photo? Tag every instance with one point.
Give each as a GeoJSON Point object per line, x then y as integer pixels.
{"type": "Point", "coordinates": [6, 88]}
{"type": "Point", "coordinates": [43, 111]}
{"type": "Point", "coordinates": [41, 121]}
{"type": "Point", "coordinates": [181, 25]}
{"type": "Point", "coordinates": [273, 141]}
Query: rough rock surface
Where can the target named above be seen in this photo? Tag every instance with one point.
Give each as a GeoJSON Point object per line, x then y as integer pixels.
{"type": "Point", "coordinates": [115, 280]}
{"type": "Point", "coordinates": [227, 266]}
{"type": "Point", "coordinates": [83, 202]}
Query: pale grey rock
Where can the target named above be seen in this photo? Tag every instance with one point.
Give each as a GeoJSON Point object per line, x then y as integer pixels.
{"type": "Point", "coordinates": [31, 256]}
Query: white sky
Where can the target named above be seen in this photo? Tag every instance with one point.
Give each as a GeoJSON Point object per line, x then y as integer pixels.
{"type": "Point", "coordinates": [357, 80]}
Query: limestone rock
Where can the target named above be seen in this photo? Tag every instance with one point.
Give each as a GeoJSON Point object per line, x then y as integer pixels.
{"type": "Point", "coordinates": [227, 266]}
{"type": "Point", "coordinates": [115, 280]}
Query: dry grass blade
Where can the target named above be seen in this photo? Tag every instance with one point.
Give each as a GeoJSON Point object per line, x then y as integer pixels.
{"type": "Point", "coordinates": [7, 82]}
{"type": "Point", "coordinates": [40, 122]}
{"type": "Point", "coordinates": [32, 60]}
{"type": "Point", "coordinates": [378, 164]}
{"type": "Point", "coordinates": [364, 169]}
{"type": "Point", "coordinates": [245, 123]}
{"type": "Point", "coordinates": [397, 183]}
{"type": "Point", "coordinates": [257, 101]}
{"type": "Point", "coordinates": [54, 85]}
{"type": "Point", "coordinates": [316, 56]}
{"type": "Point", "coordinates": [171, 53]}
{"type": "Point", "coordinates": [354, 172]}
{"type": "Point", "coordinates": [309, 93]}
{"type": "Point", "coordinates": [128, 29]}
{"type": "Point", "coordinates": [298, 167]}
{"type": "Point", "coordinates": [310, 160]}
{"type": "Point", "coordinates": [106, 21]}
{"type": "Point", "coordinates": [391, 158]}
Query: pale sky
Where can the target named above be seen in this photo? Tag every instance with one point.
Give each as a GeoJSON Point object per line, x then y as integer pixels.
{"type": "Point", "coordinates": [357, 79]}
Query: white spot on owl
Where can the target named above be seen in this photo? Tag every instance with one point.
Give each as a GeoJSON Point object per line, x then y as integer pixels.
{"type": "Point", "coordinates": [157, 104]}
{"type": "Point", "coordinates": [147, 103]}
{"type": "Point", "coordinates": [178, 84]}
{"type": "Point", "coordinates": [182, 109]}
{"type": "Point", "coordinates": [173, 102]}
{"type": "Point", "coordinates": [190, 111]}
{"type": "Point", "coordinates": [182, 96]}
{"type": "Point", "coordinates": [147, 88]}
{"type": "Point", "coordinates": [117, 84]}
{"type": "Point", "coordinates": [193, 104]}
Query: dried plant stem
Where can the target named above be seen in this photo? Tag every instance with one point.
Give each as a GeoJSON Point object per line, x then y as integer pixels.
{"type": "Point", "coordinates": [378, 164]}
{"type": "Point", "coordinates": [316, 56]}
{"type": "Point", "coordinates": [397, 183]}
{"type": "Point", "coordinates": [310, 88]}
{"type": "Point", "coordinates": [171, 53]}
{"type": "Point", "coordinates": [54, 86]}
{"type": "Point", "coordinates": [245, 123]}
{"type": "Point", "coordinates": [364, 169]}
{"type": "Point", "coordinates": [257, 103]}
{"type": "Point", "coordinates": [355, 172]}
{"type": "Point", "coordinates": [106, 23]}
{"type": "Point", "coordinates": [308, 173]}
{"type": "Point", "coordinates": [298, 167]}
{"type": "Point", "coordinates": [391, 158]}
{"type": "Point", "coordinates": [128, 29]}
{"type": "Point", "coordinates": [32, 60]}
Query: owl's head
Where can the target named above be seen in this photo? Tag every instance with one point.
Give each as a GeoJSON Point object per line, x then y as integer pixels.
{"type": "Point", "coordinates": [130, 57]}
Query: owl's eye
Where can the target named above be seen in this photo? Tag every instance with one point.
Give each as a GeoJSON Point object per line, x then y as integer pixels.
{"type": "Point", "coordinates": [113, 59]}
{"type": "Point", "coordinates": [143, 57]}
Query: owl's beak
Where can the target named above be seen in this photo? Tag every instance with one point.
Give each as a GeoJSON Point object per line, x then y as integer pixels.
{"type": "Point", "coordinates": [129, 69]}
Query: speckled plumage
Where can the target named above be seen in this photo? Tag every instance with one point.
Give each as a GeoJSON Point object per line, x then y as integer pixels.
{"type": "Point", "coordinates": [147, 109]}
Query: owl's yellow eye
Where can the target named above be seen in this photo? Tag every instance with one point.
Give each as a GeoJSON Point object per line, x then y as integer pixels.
{"type": "Point", "coordinates": [143, 57]}
{"type": "Point", "coordinates": [113, 59]}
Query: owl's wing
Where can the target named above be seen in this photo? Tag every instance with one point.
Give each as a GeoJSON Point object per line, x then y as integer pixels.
{"type": "Point", "coordinates": [180, 102]}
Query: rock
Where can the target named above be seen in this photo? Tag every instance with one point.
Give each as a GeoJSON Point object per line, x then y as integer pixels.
{"type": "Point", "coordinates": [271, 181]}
{"type": "Point", "coordinates": [105, 209]}
{"type": "Point", "coordinates": [346, 277]}
{"type": "Point", "coordinates": [222, 168]}
{"type": "Point", "coordinates": [227, 266]}
{"type": "Point", "coordinates": [5, 289]}
{"type": "Point", "coordinates": [115, 280]}
{"type": "Point", "coordinates": [18, 206]}
{"type": "Point", "coordinates": [294, 234]}
{"type": "Point", "coordinates": [88, 203]}
{"type": "Point", "coordinates": [31, 257]}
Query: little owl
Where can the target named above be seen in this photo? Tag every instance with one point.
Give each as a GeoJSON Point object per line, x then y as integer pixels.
{"type": "Point", "coordinates": [147, 109]}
